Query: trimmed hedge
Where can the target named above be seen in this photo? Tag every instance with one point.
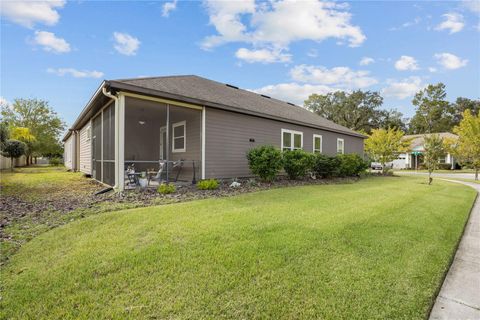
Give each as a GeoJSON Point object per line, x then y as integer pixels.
{"type": "Point", "coordinates": [265, 162]}
{"type": "Point", "coordinates": [210, 184]}
{"type": "Point", "coordinates": [351, 165]}
{"type": "Point", "coordinates": [297, 163]}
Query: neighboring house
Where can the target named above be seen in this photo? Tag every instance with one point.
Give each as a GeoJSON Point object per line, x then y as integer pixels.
{"type": "Point", "coordinates": [414, 158]}
{"type": "Point", "coordinates": [207, 125]}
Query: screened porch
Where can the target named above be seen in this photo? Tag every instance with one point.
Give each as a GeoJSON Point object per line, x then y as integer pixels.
{"type": "Point", "coordinates": [162, 143]}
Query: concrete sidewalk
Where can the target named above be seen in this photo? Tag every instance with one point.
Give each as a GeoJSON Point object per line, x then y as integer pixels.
{"type": "Point", "coordinates": [459, 297]}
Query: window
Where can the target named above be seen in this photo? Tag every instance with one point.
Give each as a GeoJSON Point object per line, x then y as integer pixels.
{"type": "Point", "coordinates": [292, 140]}
{"type": "Point", "coordinates": [317, 143]}
{"type": "Point", "coordinates": [340, 146]}
{"type": "Point", "coordinates": [179, 137]}
{"type": "Point", "coordinates": [89, 133]}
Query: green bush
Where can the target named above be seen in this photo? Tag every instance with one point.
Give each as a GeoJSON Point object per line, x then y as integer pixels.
{"type": "Point", "coordinates": [166, 188]}
{"type": "Point", "coordinates": [351, 165]}
{"type": "Point", "coordinates": [210, 184]}
{"type": "Point", "coordinates": [326, 166]}
{"type": "Point", "coordinates": [444, 166]}
{"type": "Point", "coordinates": [297, 163]}
{"type": "Point", "coordinates": [55, 161]}
{"type": "Point", "coordinates": [265, 162]}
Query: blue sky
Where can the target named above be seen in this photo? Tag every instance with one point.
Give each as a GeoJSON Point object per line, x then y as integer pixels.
{"type": "Point", "coordinates": [61, 51]}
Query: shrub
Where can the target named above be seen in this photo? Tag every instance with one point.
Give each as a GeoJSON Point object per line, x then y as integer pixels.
{"type": "Point", "coordinates": [166, 188]}
{"type": "Point", "coordinates": [297, 163]}
{"type": "Point", "coordinates": [351, 165]}
{"type": "Point", "coordinates": [326, 166]}
{"type": "Point", "coordinates": [210, 184]}
{"type": "Point", "coordinates": [55, 161]}
{"type": "Point", "coordinates": [265, 162]}
{"type": "Point", "coordinates": [444, 166]}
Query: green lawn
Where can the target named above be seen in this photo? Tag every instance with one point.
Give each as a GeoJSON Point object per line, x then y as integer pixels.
{"type": "Point", "coordinates": [375, 249]}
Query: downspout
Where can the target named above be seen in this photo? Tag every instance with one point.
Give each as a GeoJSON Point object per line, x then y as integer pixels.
{"type": "Point", "coordinates": [118, 170]}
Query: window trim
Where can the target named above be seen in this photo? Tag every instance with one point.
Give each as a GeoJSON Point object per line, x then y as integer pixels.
{"type": "Point", "coordinates": [175, 125]}
{"type": "Point", "coordinates": [89, 133]}
{"type": "Point", "coordinates": [321, 143]}
{"type": "Point", "coordinates": [343, 145]}
{"type": "Point", "coordinates": [292, 132]}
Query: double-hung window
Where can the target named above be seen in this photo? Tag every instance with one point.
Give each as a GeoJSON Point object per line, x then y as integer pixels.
{"type": "Point", "coordinates": [317, 143]}
{"type": "Point", "coordinates": [179, 137]}
{"type": "Point", "coordinates": [340, 146]}
{"type": "Point", "coordinates": [292, 140]}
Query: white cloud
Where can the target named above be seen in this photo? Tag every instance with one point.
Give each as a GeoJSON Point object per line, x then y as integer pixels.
{"type": "Point", "coordinates": [452, 22]}
{"type": "Point", "coordinates": [168, 7]}
{"type": "Point", "coordinates": [432, 69]}
{"type": "Point", "coordinates": [407, 24]}
{"type": "Point", "coordinates": [402, 89]}
{"type": "Point", "coordinates": [75, 73]}
{"type": "Point", "coordinates": [366, 61]}
{"type": "Point", "coordinates": [342, 77]}
{"type": "Point", "coordinates": [406, 63]}
{"type": "Point", "coordinates": [450, 61]}
{"type": "Point", "coordinates": [276, 24]}
{"type": "Point", "coordinates": [262, 55]}
{"type": "Point", "coordinates": [126, 44]}
{"type": "Point", "coordinates": [293, 92]}
{"type": "Point", "coordinates": [29, 13]}
{"type": "Point", "coordinates": [472, 5]}
{"type": "Point", "coordinates": [50, 42]}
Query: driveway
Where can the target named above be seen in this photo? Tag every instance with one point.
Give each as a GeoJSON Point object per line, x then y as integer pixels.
{"type": "Point", "coordinates": [459, 297]}
{"type": "Point", "coordinates": [466, 176]}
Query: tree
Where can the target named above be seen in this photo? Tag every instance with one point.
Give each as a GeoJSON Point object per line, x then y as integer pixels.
{"type": "Point", "coordinates": [463, 104]}
{"type": "Point", "coordinates": [22, 134]}
{"type": "Point", "coordinates": [42, 122]}
{"type": "Point", "coordinates": [14, 149]}
{"type": "Point", "coordinates": [4, 134]}
{"type": "Point", "coordinates": [357, 110]}
{"type": "Point", "coordinates": [434, 150]}
{"type": "Point", "coordinates": [467, 148]}
{"type": "Point", "coordinates": [388, 119]}
{"type": "Point", "coordinates": [434, 113]}
{"type": "Point", "coordinates": [383, 145]}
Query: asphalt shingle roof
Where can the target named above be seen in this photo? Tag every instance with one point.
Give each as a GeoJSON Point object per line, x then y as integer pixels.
{"type": "Point", "coordinates": [199, 88]}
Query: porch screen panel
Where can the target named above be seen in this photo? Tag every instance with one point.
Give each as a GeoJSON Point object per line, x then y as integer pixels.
{"type": "Point", "coordinates": [109, 145]}
{"type": "Point", "coordinates": [97, 147]}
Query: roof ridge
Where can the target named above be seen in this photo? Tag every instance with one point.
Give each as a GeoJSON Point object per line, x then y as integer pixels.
{"type": "Point", "coordinates": [157, 77]}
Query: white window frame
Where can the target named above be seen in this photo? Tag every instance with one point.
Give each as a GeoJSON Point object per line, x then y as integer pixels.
{"type": "Point", "coordinates": [292, 132]}
{"type": "Point", "coordinates": [343, 145]}
{"type": "Point", "coordinates": [175, 125]}
{"type": "Point", "coordinates": [321, 143]}
{"type": "Point", "coordinates": [89, 133]}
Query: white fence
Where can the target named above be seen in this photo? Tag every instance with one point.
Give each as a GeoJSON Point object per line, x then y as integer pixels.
{"type": "Point", "coordinates": [5, 162]}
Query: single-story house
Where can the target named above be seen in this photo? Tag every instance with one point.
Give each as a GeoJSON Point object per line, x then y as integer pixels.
{"type": "Point", "coordinates": [200, 128]}
{"type": "Point", "coordinates": [414, 158]}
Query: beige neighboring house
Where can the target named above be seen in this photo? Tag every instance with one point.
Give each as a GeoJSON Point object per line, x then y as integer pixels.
{"type": "Point", "coordinates": [414, 158]}
{"type": "Point", "coordinates": [183, 128]}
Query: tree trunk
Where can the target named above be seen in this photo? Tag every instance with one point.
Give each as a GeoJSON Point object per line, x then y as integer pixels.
{"type": "Point", "coordinates": [430, 177]}
{"type": "Point", "coordinates": [12, 164]}
{"type": "Point", "coordinates": [35, 160]}
{"type": "Point", "coordinates": [476, 173]}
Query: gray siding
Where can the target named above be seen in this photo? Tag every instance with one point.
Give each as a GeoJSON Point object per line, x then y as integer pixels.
{"type": "Point", "coordinates": [85, 150]}
{"type": "Point", "coordinates": [228, 137]}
